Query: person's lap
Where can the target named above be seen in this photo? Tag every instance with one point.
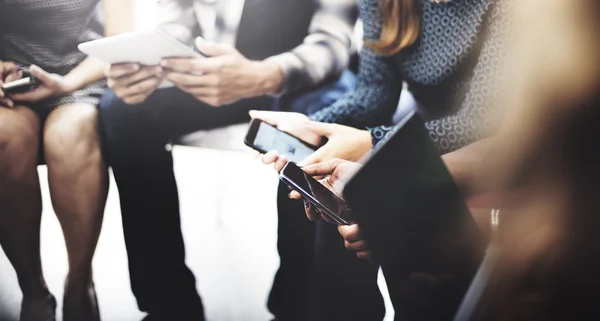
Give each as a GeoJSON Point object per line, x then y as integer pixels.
{"type": "Point", "coordinates": [63, 120]}
{"type": "Point", "coordinates": [312, 100]}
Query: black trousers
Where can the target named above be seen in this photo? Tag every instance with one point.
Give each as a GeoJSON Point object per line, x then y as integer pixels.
{"type": "Point", "coordinates": [135, 139]}
{"type": "Point", "coordinates": [318, 279]}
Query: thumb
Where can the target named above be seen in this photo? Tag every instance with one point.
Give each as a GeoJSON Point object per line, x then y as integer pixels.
{"type": "Point", "coordinates": [321, 129]}
{"type": "Point", "coordinates": [42, 75]}
{"type": "Point", "coordinates": [13, 76]}
{"type": "Point", "coordinates": [322, 169]}
{"type": "Point", "coordinates": [211, 49]}
{"type": "Point", "coordinates": [313, 158]}
{"type": "Point", "coordinates": [269, 117]}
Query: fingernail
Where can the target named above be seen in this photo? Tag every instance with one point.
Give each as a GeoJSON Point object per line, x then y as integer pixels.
{"type": "Point", "coordinates": [290, 196]}
{"type": "Point", "coordinates": [164, 63]}
{"type": "Point", "coordinates": [306, 205]}
{"type": "Point", "coordinates": [159, 70]}
{"type": "Point", "coordinates": [135, 67]}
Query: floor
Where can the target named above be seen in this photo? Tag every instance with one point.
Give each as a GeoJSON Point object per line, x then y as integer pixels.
{"type": "Point", "coordinates": [229, 223]}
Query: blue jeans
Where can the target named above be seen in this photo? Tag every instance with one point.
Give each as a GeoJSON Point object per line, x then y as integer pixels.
{"type": "Point", "coordinates": [312, 100]}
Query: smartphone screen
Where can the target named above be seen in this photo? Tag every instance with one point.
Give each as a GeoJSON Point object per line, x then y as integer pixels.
{"type": "Point", "coordinates": [317, 193]}
{"type": "Point", "coordinates": [265, 137]}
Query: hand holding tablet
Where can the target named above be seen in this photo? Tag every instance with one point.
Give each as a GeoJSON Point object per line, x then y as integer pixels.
{"type": "Point", "coordinates": [135, 60]}
{"type": "Point", "coordinates": [222, 78]}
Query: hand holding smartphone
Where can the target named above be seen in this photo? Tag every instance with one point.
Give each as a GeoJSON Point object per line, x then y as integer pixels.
{"type": "Point", "coordinates": [264, 138]}
{"type": "Point", "coordinates": [25, 84]}
{"type": "Point", "coordinates": [317, 194]}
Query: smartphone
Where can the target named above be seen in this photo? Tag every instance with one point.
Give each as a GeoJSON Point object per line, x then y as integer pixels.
{"type": "Point", "coordinates": [264, 137]}
{"type": "Point", "coordinates": [317, 194]}
{"type": "Point", "coordinates": [23, 85]}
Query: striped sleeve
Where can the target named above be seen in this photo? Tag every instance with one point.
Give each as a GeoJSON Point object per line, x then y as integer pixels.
{"type": "Point", "coordinates": [325, 52]}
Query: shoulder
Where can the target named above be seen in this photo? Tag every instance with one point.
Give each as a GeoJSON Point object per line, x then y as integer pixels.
{"type": "Point", "coordinates": [369, 8]}
{"type": "Point", "coordinates": [369, 12]}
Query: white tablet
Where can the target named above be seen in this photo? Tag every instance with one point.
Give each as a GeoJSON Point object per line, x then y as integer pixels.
{"type": "Point", "coordinates": [146, 47]}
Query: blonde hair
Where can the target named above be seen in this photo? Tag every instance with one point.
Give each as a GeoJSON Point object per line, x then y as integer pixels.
{"type": "Point", "coordinates": [401, 26]}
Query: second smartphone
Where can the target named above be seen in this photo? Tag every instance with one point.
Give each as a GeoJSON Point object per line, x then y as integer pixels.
{"type": "Point", "coordinates": [25, 84]}
{"type": "Point", "coordinates": [264, 137]}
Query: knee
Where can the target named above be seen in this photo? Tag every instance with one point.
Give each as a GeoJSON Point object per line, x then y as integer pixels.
{"type": "Point", "coordinates": [18, 148]}
{"type": "Point", "coordinates": [110, 103]}
{"type": "Point", "coordinates": [73, 137]}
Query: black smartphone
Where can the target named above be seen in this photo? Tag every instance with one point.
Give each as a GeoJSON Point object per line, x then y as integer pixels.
{"type": "Point", "coordinates": [317, 194]}
{"type": "Point", "coordinates": [264, 137]}
{"type": "Point", "coordinates": [25, 84]}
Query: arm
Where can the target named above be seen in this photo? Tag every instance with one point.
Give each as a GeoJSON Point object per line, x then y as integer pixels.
{"type": "Point", "coordinates": [373, 103]}
{"type": "Point", "coordinates": [473, 121]}
{"type": "Point", "coordinates": [325, 52]}
{"type": "Point", "coordinates": [119, 19]}
{"type": "Point", "coordinates": [379, 87]}
{"type": "Point", "coordinates": [479, 112]}
{"type": "Point", "coordinates": [229, 76]}
{"type": "Point", "coordinates": [118, 15]}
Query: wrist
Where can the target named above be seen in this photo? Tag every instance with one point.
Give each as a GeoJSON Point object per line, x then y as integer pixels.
{"type": "Point", "coordinates": [69, 85]}
{"type": "Point", "coordinates": [367, 140]}
{"type": "Point", "coordinates": [272, 77]}
{"type": "Point", "coordinates": [362, 145]}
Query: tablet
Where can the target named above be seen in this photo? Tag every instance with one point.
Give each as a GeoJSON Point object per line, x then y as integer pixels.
{"type": "Point", "coordinates": [147, 47]}
{"type": "Point", "coordinates": [417, 225]}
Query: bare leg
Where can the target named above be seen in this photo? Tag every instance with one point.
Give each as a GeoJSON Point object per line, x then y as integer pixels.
{"type": "Point", "coordinates": [78, 178]}
{"type": "Point", "coordinates": [21, 208]}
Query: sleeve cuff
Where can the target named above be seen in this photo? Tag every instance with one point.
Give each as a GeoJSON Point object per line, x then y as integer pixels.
{"type": "Point", "coordinates": [379, 134]}
{"type": "Point", "coordinates": [292, 67]}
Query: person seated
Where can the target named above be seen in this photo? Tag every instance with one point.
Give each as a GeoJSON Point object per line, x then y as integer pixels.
{"type": "Point", "coordinates": [548, 243]}
{"type": "Point", "coordinates": [255, 51]}
{"type": "Point", "coordinates": [443, 50]}
{"type": "Point", "coordinates": [55, 123]}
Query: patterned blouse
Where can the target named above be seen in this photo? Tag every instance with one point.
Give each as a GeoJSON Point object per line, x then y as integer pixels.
{"type": "Point", "coordinates": [46, 33]}
{"type": "Point", "coordinates": [450, 70]}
